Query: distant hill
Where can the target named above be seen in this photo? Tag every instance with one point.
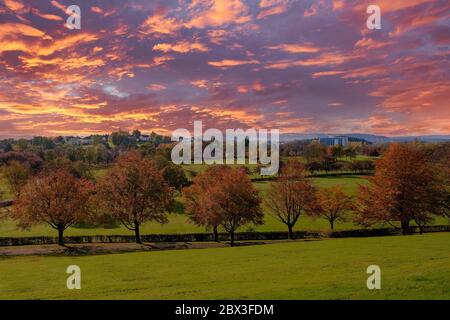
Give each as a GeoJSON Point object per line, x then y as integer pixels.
{"type": "Point", "coordinates": [285, 137]}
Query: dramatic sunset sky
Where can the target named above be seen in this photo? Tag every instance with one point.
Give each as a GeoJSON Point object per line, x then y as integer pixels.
{"type": "Point", "coordinates": [297, 65]}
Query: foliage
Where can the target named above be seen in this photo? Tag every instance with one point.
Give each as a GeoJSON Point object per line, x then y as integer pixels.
{"type": "Point", "coordinates": [334, 205]}
{"type": "Point", "coordinates": [58, 199]}
{"type": "Point", "coordinates": [133, 192]}
{"type": "Point", "coordinates": [17, 175]}
{"type": "Point", "coordinates": [406, 186]}
{"type": "Point", "coordinates": [223, 195]}
{"type": "Point", "coordinates": [291, 195]}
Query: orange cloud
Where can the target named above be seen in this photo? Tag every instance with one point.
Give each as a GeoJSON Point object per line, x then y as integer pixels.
{"type": "Point", "coordinates": [272, 7]}
{"type": "Point", "coordinates": [326, 73]}
{"type": "Point", "coordinates": [181, 47]}
{"type": "Point", "coordinates": [200, 83]}
{"type": "Point", "coordinates": [160, 24]}
{"type": "Point", "coordinates": [326, 59]}
{"type": "Point", "coordinates": [214, 13]}
{"type": "Point", "coordinates": [295, 48]}
{"type": "Point", "coordinates": [14, 4]}
{"type": "Point", "coordinates": [19, 29]}
{"type": "Point", "coordinates": [97, 10]}
{"type": "Point", "coordinates": [156, 87]}
{"type": "Point", "coordinates": [231, 63]}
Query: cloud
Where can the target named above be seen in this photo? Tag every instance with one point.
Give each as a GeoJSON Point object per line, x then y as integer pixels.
{"type": "Point", "coordinates": [180, 47]}
{"type": "Point", "coordinates": [160, 23]}
{"type": "Point", "coordinates": [272, 7]}
{"type": "Point", "coordinates": [156, 87]}
{"type": "Point", "coordinates": [295, 48]}
{"type": "Point", "coordinates": [231, 63]}
{"type": "Point", "coordinates": [161, 65]}
{"type": "Point", "coordinates": [14, 4]}
{"type": "Point", "coordinates": [215, 13]}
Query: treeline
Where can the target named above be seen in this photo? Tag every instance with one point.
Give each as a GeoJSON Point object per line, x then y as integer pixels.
{"type": "Point", "coordinates": [411, 184]}
{"type": "Point", "coordinates": [94, 149]}
{"type": "Point", "coordinates": [333, 159]}
{"type": "Point", "coordinates": [303, 147]}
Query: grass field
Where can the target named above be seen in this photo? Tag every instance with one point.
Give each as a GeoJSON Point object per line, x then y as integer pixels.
{"type": "Point", "coordinates": [179, 223]}
{"type": "Point", "coordinates": [412, 267]}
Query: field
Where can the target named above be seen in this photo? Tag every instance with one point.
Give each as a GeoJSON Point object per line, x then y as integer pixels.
{"type": "Point", "coordinates": [179, 223]}
{"type": "Point", "coordinates": [412, 267]}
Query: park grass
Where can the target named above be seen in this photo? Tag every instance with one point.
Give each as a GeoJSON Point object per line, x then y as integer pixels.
{"type": "Point", "coordinates": [412, 267]}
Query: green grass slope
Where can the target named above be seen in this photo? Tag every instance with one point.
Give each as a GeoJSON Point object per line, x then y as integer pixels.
{"type": "Point", "coordinates": [412, 267]}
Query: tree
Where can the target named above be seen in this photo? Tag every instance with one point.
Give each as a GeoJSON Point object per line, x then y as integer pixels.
{"type": "Point", "coordinates": [406, 187]}
{"type": "Point", "coordinates": [133, 192]}
{"type": "Point", "coordinates": [315, 151]}
{"type": "Point", "coordinates": [122, 139]}
{"type": "Point", "coordinates": [349, 152]}
{"type": "Point", "coordinates": [173, 174]}
{"type": "Point", "coordinates": [136, 134]}
{"type": "Point", "coordinates": [58, 199]}
{"type": "Point", "coordinates": [223, 196]}
{"type": "Point", "coordinates": [17, 175]}
{"type": "Point", "coordinates": [199, 200]}
{"type": "Point", "coordinates": [238, 201]}
{"type": "Point", "coordinates": [291, 196]}
{"type": "Point", "coordinates": [337, 151]}
{"type": "Point", "coordinates": [333, 205]}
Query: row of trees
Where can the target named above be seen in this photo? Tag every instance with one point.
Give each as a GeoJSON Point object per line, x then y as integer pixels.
{"type": "Point", "coordinates": [132, 192]}
{"type": "Point", "coordinates": [410, 184]}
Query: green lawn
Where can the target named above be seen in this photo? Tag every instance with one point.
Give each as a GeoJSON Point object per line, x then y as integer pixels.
{"type": "Point", "coordinates": [412, 267]}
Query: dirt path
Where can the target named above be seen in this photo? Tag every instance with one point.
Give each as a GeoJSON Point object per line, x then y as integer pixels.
{"type": "Point", "coordinates": [105, 248]}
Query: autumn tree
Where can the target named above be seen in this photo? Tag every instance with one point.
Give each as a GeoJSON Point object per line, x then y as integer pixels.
{"type": "Point", "coordinates": [334, 205]}
{"type": "Point", "coordinates": [133, 192]}
{"type": "Point", "coordinates": [17, 174]}
{"type": "Point", "coordinates": [315, 152]}
{"type": "Point", "coordinates": [224, 196]}
{"type": "Point", "coordinates": [406, 187]}
{"type": "Point", "coordinates": [58, 199]}
{"type": "Point", "coordinates": [291, 196]}
{"type": "Point", "coordinates": [199, 200]}
{"type": "Point", "coordinates": [237, 201]}
{"type": "Point", "coordinates": [173, 174]}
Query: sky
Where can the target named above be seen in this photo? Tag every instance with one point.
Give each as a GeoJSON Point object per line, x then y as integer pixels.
{"type": "Point", "coordinates": [294, 65]}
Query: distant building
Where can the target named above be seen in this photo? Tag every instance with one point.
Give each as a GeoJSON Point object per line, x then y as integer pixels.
{"type": "Point", "coordinates": [77, 141]}
{"type": "Point", "coordinates": [334, 141]}
{"type": "Point", "coordinates": [144, 138]}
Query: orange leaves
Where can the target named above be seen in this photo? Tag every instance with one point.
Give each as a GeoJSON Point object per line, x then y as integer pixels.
{"type": "Point", "coordinates": [58, 199]}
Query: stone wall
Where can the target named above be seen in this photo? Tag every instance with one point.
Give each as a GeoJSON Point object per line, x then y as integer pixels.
{"type": "Point", "coordinates": [195, 237]}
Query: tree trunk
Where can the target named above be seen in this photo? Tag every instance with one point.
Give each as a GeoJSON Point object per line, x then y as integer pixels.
{"type": "Point", "coordinates": [232, 238]}
{"type": "Point", "coordinates": [420, 229]}
{"type": "Point", "coordinates": [290, 233]}
{"type": "Point", "coordinates": [138, 234]}
{"type": "Point", "coordinates": [216, 234]}
{"type": "Point", "coordinates": [405, 227]}
{"type": "Point", "coordinates": [332, 225]}
{"type": "Point", "coordinates": [60, 235]}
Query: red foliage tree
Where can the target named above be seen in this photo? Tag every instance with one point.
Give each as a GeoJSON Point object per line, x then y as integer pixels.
{"type": "Point", "coordinates": [406, 187]}
{"type": "Point", "coordinates": [334, 205]}
{"type": "Point", "coordinates": [58, 199]}
{"type": "Point", "coordinates": [291, 196]}
{"type": "Point", "coordinates": [224, 196]}
{"type": "Point", "coordinates": [133, 192]}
